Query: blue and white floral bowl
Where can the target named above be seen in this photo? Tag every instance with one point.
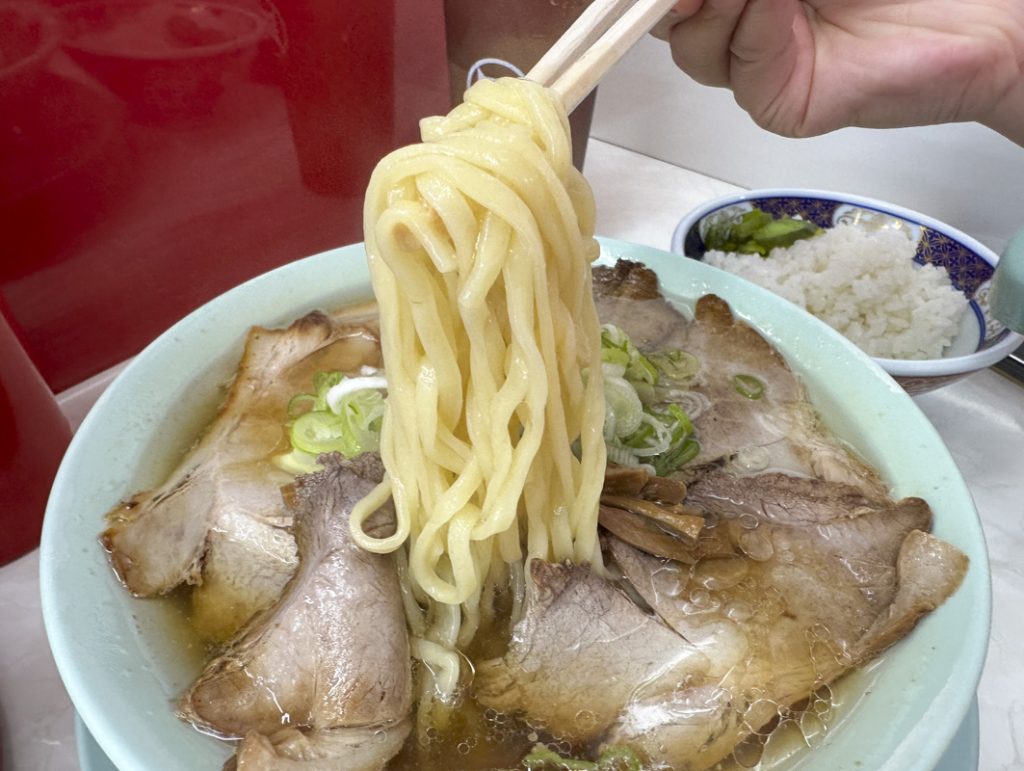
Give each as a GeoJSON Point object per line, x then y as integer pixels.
{"type": "Point", "coordinates": [982, 340]}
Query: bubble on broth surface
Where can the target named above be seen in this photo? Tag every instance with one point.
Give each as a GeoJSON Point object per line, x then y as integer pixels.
{"type": "Point", "coordinates": [813, 728]}
{"type": "Point", "coordinates": [585, 719]}
{"type": "Point", "coordinates": [749, 752]}
{"type": "Point", "coordinates": [748, 521]}
{"type": "Point", "coordinates": [560, 746]}
{"type": "Point", "coordinates": [751, 459]}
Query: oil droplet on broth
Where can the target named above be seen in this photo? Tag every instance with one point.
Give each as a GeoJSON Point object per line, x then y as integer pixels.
{"type": "Point", "coordinates": [669, 580]}
{"type": "Point", "coordinates": [719, 574]}
{"type": "Point", "coordinates": [756, 544]}
{"type": "Point", "coordinates": [748, 521]}
{"type": "Point", "coordinates": [739, 610]}
{"type": "Point", "coordinates": [700, 599]}
{"type": "Point", "coordinates": [752, 459]}
{"type": "Point", "coordinates": [479, 737]}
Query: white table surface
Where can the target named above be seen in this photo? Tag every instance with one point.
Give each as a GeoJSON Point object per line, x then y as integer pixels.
{"type": "Point", "coordinates": [639, 199]}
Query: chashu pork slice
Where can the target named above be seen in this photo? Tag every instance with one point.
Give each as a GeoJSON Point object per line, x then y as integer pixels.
{"type": "Point", "coordinates": [581, 652]}
{"type": "Point", "coordinates": [324, 674]}
{"type": "Point", "coordinates": [814, 579]}
{"type": "Point", "coordinates": [779, 430]}
{"type": "Point", "coordinates": [218, 521]}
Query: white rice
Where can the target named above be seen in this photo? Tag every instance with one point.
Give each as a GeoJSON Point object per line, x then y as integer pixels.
{"type": "Point", "coordinates": [865, 285]}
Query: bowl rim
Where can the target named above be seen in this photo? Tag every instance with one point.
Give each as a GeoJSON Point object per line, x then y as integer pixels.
{"type": "Point", "coordinates": [955, 365]}
{"type": "Point", "coordinates": [260, 27]}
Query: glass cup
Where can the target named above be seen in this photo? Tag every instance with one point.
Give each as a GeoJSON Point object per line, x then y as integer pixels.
{"type": "Point", "coordinates": [33, 436]}
{"type": "Point", "coordinates": [337, 72]}
{"type": "Point", "coordinates": [502, 38]}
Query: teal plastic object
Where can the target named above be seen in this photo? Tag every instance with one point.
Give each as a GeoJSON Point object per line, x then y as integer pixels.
{"type": "Point", "coordinates": [1006, 300]}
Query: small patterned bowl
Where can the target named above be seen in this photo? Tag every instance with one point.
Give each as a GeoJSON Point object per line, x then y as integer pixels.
{"type": "Point", "coordinates": [981, 342]}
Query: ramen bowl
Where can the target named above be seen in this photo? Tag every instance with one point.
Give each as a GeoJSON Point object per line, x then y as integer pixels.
{"type": "Point", "coordinates": [124, 662]}
{"type": "Point", "coordinates": [981, 341]}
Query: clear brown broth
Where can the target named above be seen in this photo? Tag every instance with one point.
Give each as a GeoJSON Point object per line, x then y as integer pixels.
{"type": "Point", "coordinates": [476, 738]}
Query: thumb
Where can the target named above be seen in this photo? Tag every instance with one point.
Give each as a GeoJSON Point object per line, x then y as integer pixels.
{"type": "Point", "coordinates": [684, 9]}
{"type": "Point", "coordinates": [681, 11]}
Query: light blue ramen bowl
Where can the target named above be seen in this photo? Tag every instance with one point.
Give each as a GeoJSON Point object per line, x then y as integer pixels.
{"type": "Point", "coordinates": [123, 661]}
{"type": "Point", "coordinates": [982, 340]}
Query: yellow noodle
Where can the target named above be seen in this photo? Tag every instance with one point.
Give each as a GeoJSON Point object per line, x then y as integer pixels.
{"type": "Point", "coordinates": [479, 241]}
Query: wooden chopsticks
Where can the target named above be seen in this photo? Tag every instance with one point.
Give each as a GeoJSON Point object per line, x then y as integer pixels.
{"type": "Point", "coordinates": [599, 38]}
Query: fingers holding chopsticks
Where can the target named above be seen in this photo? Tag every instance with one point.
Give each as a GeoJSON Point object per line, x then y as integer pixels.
{"type": "Point", "coordinates": [715, 40]}
{"type": "Point", "coordinates": [682, 10]}
{"type": "Point", "coordinates": [808, 67]}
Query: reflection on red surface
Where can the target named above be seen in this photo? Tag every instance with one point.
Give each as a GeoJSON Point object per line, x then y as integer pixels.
{"type": "Point", "coordinates": [154, 153]}
{"type": "Point", "coordinates": [33, 435]}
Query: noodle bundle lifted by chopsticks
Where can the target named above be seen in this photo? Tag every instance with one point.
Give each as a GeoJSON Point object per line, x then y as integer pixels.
{"type": "Point", "coordinates": [479, 241]}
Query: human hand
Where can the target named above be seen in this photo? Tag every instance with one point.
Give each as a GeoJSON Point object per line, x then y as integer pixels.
{"type": "Point", "coordinates": [806, 67]}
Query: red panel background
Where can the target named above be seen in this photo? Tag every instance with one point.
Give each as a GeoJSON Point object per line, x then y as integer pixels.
{"type": "Point", "coordinates": [151, 160]}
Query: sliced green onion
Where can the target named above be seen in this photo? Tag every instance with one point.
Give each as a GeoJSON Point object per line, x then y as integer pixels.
{"type": "Point", "coordinates": [337, 392]}
{"type": "Point", "coordinates": [642, 437]}
{"type": "Point", "coordinates": [677, 458]}
{"type": "Point", "coordinates": [659, 439]}
{"type": "Point", "coordinates": [622, 456]}
{"type": "Point", "coordinates": [297, 462]}
{"type": "Point", "coordinates": [323, 382]}
{"type": "Point", "coordinates": [620, 757]}
{"type": "Point", "coordinates": [317, 432]}
{"type": "Point", "coordinates": [541, 757]}
{"type": "Point", "coordinates": [648, 393]}
{"type": "Point", "coordinates": [343, 415]}
{"type": "Point", "coordinates": [617, 348]}
{"type": "Point", "coordinates": [615, 356]}
{"type": "Point", "coordinates": [675, 365]}
{"type": "Point", "coordinates": [623, 409]}
{"type": "Point", "coordinates": [610, 369]}
{"type": "Point", "coordinates": [680, 416]}
{"type": "Point", "coordinates": [748, 386]}
{"type": "Point", "coordinates": [637, 429]}
{"type": "Point", "coordinates": [297, 400]}
{"type": "Point", "coordinates": [641, 370]}
{"type": "Point", "coordinates": [613, 337]}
